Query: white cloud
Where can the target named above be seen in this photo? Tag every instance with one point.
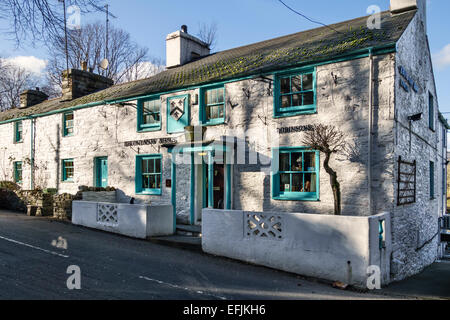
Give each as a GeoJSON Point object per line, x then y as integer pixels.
{"type": "Point", "coordinates": [442, 58]}
{"type": "Point", "coordinates": [29, 63]}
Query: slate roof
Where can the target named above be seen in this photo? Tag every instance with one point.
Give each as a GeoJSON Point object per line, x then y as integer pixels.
{"type": "Point", "coordinates": [297, 49]}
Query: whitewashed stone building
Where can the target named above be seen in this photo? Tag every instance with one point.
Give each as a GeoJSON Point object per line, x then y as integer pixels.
{"type": "Point", "coordinates": [256, 101]}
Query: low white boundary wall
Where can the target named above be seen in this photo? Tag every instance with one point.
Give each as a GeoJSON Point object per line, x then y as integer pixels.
{"type": "Point", "coordinates": [138, 221]}
{"type": "Point", "coordinates": [337, 248]}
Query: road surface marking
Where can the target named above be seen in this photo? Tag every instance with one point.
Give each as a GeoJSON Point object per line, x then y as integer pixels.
{"type": "Point", "coordinates": [33, 247]}
{"type": "Point", "coordinates": [179, 287]}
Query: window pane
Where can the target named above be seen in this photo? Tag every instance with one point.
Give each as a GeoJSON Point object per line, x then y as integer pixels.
{"type": "Point", "coordinates": [296, 162]}
{"type": "Point", "coordinates": [308, 98]}
{"type": "Point", "coordinates": [213, 96]}
{"type": "Point", "coordinates": [208, 97]}
{"type": "Point", "coordinates": [157, 165]}
{"type": "Point", "coordinates": [145, 182]}
{"type": "Point", "coordinates": [208, 113]}
{"type": "Point", "coordinates": [310, 182]}
{"type": "Point", "coordinates": [158, 181]}
{"type": "Point", "coordinates": [297, 182]}
{"type": "Point", "coordinates": [285, 101]}
{"type": "Point", "coordinates": [213, 112]}
{"type": "Point", "coordinates": [310, 161]}
{"type": "Point", "coordinates": [285, 85]}
{"type": "Point", "coordinates": [296, 84]}
{"type": "Point", "coordinates": [152, 182]}
{"type": "Point", "coordinates": [156, 106]}
{"type": "Point", "coordinates": [285, 182]}
{"type": "Point", "coordinates": [69, 116]}
{"type": "Point", "coordinates": [151, 166]}
{"type": "Point", "coordinates": [307, 81]}
{"type": "Point", "coordinates": [220, 97]}
{"type": "Point", "coordinates": [220, 111]}
{"type": "Point", "coordinates": [284, 162]}
{"type": "Point", "coordinates": [144, 166]}
{"type": "Point", "coordinates": [296, 100]}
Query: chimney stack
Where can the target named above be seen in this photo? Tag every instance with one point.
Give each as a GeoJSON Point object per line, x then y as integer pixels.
{"type": "Point", "coordinates": [31, 97]}
{"type": "Point", "coordinates": [181, 48]}
{"type": "Point", "coordinates": [78, 83]}
{"type": "Point", "coordinates": [399, 6]}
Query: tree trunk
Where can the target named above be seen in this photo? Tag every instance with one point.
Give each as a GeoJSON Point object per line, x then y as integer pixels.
{"type": "Point", "coordinates": [335, 186]}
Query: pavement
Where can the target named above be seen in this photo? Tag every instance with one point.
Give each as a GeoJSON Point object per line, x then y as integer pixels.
{"type": "Point", "coordinates": [432, 283]}
{"type": "Point", "coordinates": [34, 265]}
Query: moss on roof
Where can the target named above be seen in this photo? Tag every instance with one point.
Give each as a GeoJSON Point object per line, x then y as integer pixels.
{"type": "Point", "coordinates": [266, 56]}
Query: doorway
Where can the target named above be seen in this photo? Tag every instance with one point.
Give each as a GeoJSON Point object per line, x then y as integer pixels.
{"type": "Point", "coordinates": [101, 172]}
{"type": "Point", "coordinates": [218, 194]}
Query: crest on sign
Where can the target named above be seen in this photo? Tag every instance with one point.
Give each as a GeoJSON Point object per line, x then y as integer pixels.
{"type": "Point", "coordinates": [177, 108]}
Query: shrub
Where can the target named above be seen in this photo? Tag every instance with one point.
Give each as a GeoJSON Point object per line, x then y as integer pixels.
{"type": "Point", "coordinates": [9, 185]}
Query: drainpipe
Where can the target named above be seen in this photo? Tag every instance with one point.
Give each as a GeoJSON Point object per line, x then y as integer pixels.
{"type": "Point", "coordinates": [369, 176]}
{"type": "Point", "coordinates": [32, 154]}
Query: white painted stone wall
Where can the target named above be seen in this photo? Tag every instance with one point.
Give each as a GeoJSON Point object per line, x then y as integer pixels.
{"type": "Point", "coordinates": [336, 248]}
{"type": "Point", "coordinates": [138, 221]}
{"type": "Point", "coordinates": [415, 239]}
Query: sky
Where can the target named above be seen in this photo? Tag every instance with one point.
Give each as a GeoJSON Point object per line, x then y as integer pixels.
{"type": "Point", "coordinates": [242, 22]}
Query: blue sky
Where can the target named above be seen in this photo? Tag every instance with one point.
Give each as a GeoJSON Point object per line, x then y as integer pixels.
{"type": "Point", "coordinates": [242, 22]}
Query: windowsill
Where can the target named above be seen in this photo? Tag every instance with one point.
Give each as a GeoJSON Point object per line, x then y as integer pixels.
{"type": "Point", "coordinates": [68, 135]}
{"type": "Point", "coordinates": [150, 193]}
{"type": "Point", "coordinates": [286, 114]}
{"type": "Point", "coordinates": [18, 142]}
{"type": "Point", "coordinates": [213, 123]}
{"type": "Point", "coordinates": [67, 181]}
{"type": "Point", "coordinates": [296, 198]}
{"type": "Point", "coordinates": [149, 129]}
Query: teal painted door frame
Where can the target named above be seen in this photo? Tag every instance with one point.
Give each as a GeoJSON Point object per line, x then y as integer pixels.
{"type": "Point", "coordinates": [208, 171]}
{"type": "Point", "coordinates": [101, 172]}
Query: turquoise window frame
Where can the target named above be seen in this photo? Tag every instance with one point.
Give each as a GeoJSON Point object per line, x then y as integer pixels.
{"type": "Point", "coordinates": [139, 189]}
{"type": "Point", "coordinates": [297, 110]}
{"type": "Point", "coordinates": [18, 132]}
{"type": "Point", "coordinates": [18, 171]}
{"type": "Point", "coordinates": [64, 167]}
{"type": "Point", "coordinates": [66, 126]}
{"type": "Point", "coordinates": [141, 126]}
{"type": "Point", "coordinates": [203, 105]}
{"type": "Point", "coordinates": [277, 194]}
{"type": "Point", "coordinates": [431, 111]}
{"type": "Point", "coordinates": [431, 180]}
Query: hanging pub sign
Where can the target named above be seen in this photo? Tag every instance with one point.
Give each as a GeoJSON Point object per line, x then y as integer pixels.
{"type": "Point", "coordinates": [150, 142]}
{"type": "Point", "coordinates": [407, 82]}
{"type": "Point", "coordinates": [177, 108]}
{"type": "Point", "coordinates": [285, 130]}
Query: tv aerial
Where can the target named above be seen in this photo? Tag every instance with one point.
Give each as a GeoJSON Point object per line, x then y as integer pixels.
{"type": "Point", "coordinates": [105, 62]}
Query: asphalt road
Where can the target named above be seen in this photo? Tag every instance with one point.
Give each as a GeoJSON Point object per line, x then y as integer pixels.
{"type": "Point", "coordinates": [116, 267]}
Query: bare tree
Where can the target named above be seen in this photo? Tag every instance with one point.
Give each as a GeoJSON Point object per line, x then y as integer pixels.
{"type": "Point", "coordinates": [208, 34]}
{"type": "Point", "coordinates": [328, 140]}
{"type": "Point", "coordinates": [142, 69]}
{"type": "Point", "coordinates": [39, 19]}
{"type": "Point", "coordinates": [13, 81]}
{"type": "Point", "coordinates": [125, 57]}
